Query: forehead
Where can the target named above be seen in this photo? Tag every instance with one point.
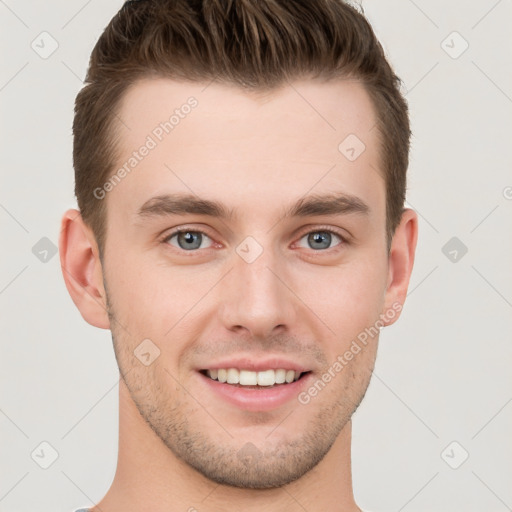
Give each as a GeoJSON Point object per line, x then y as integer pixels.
{"type": "Point", "coordinates": [220, 142]}
{"type": "Point", "coordinates": [329, 108]}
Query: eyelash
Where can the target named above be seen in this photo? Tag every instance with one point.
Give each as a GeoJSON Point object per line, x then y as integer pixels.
{"type": "Point", "coordinates": [320, 229]}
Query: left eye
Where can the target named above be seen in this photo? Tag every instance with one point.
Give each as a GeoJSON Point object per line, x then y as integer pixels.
{"type": "Point", "coordinates": [189, 240]}
{"type": "Point", "coordinates": [318, 240]}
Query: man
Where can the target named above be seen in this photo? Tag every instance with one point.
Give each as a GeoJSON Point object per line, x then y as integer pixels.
{"type": "Point", "coordinates": [240, 175]}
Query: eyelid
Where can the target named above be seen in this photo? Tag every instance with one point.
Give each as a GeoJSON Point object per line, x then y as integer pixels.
{"type": "Point", "coordinates": [183, 229]}
{"type": "Point", "coordinates": [345, 238]}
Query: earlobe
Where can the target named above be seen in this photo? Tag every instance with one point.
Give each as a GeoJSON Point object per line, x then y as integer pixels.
{"type": "Point", "coordinates": [401, 261]}
{"type": "Point", "coordinates": [81, 269]}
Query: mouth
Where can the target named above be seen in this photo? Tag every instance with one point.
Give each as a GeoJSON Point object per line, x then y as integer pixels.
{"type": "Point", "coordinates": [254, 390]}
{"type": "Point", "coordinates": [249, 379]}
{"type": "Point", "coordinates": [255, 382]}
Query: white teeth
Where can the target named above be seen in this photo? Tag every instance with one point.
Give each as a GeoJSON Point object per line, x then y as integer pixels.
{"type": "Point", "coordinates": [233, 376]}
{"type": "Point", "coordinates": [280, 376]}
{"type": "Point", "coordinates": [250, 378]}
{"type": "Point", "coordinates": [267, 378]}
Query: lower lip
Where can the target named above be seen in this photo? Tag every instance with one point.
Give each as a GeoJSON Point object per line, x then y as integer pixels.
{"type": "Point", "coordinates": [257, 399]}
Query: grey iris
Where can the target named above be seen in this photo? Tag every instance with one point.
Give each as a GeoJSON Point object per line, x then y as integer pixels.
{"type": "Point", "coordinates": [319, 240]}
{"type": "Point", "coordinates": [189, 240]}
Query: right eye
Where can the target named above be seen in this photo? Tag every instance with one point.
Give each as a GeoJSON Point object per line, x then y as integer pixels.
{"type": "Point", "coordinates": [189, 240]}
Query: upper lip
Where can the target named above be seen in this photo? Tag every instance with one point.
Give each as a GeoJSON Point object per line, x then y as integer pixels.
{"type": "Point", "coordinates": [250, 363]}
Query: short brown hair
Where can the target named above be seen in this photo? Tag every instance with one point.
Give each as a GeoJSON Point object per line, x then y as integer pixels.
{"type": "Point", "coordinates": [254, 44]}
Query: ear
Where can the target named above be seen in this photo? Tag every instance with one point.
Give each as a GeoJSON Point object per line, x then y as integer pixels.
{"type": "Point", "coordinates": [81, 268]}
{"type": "Point", "coordinates": [400, 263]}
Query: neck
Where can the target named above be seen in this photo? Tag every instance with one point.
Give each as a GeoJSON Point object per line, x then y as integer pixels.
{"type": "Point", "coordinates": [150, 477]}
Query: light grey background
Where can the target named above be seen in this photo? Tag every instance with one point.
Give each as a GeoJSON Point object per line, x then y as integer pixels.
{"type": "Point", "coordinates": [443, 371]}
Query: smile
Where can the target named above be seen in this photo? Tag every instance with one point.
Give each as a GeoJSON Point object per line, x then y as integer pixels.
{"type": "Point", "coordinates": [267, 378]}
{"type": "Point", "coordinates": [249, 390]}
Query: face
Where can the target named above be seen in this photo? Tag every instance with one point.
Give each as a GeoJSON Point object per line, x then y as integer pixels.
{"type": "Point", "coordinates": [244, 238]}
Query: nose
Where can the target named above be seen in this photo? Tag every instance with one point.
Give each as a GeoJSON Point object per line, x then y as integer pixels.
{"type": "Point", "coordinates": [256, 297]}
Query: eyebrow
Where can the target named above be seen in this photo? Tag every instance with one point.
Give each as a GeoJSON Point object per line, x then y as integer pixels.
{"type": "Point", "coordinates": [183, 204]}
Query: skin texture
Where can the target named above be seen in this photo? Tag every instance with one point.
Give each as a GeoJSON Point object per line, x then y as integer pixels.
{"type": "Point", "coordinates": [258, 154]}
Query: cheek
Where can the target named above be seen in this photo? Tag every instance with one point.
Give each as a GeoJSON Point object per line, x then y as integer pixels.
{"type": "Point", "coordinates": [347, 298]}
{"type": "Point", "coordinates": [141, 295]}
{"type": "Point", "coordinates": [156, 301]}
